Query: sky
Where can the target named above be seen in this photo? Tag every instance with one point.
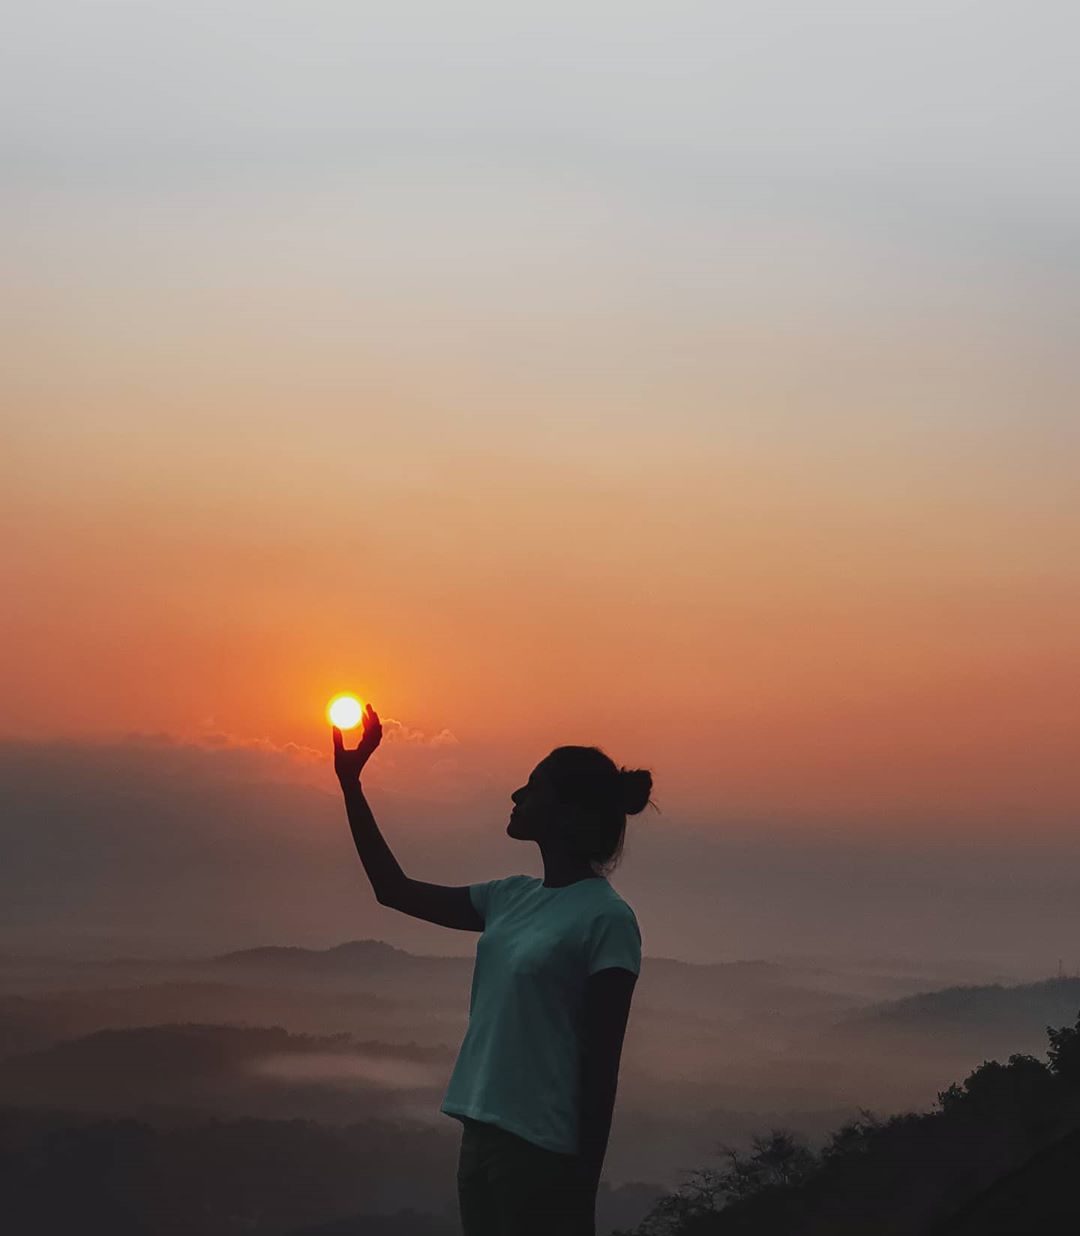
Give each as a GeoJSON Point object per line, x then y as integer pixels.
{"type": "Point", "coordinates": [697, 380]}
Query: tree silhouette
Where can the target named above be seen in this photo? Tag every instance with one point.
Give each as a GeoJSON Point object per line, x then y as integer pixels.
{"type": "Point", "coordinates": [997, 1145]}
{"type": "Point", "coordinates": [777, 1159]}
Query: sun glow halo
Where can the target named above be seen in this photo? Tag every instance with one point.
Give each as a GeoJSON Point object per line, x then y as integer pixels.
{"type": "Point", "coordinates": [345, 712]}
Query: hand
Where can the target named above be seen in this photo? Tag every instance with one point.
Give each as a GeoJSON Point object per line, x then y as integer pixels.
{"type": "Point", "coordinates": [347, 764]}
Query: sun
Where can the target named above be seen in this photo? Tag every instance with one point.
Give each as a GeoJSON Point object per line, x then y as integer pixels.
{"type": "Point", "coordinates": [345, 712]}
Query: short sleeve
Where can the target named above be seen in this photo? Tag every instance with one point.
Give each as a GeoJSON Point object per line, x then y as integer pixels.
{"type": "Point", "coordinates": [481, 896]}
{"type": "Point", "coordinates": [614, 940]}
{"type": "Point", "coordinates": [487, 895]}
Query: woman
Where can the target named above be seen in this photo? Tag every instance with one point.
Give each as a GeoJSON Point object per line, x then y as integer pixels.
{"type": "Point", "coordinates": [535, 1079]}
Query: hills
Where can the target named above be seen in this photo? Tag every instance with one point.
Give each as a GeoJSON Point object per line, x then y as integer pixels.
{"type": "Point", "coordinates": [357, 1041]}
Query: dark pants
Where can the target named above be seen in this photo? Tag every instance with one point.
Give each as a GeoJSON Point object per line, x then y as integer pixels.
{"type": "Point", "coordinates": [508, 1186]}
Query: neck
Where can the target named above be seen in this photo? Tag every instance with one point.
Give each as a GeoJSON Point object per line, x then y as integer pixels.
{"type": "Point", "coordinates": [561, 868]}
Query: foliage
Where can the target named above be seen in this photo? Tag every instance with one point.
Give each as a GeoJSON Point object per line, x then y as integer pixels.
{"type": "Point", "coordinates": [897, 1177]}
{"type": "Point", "coordinates": [777, 1159]}
{"type": "Point", "coordinates": [1064, 1052]}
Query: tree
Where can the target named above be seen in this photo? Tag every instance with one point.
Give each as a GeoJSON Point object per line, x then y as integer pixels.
{"type": "Point", "coordinates": [1063, 1053]}
{"type": "Point", "coordinates": [777, 1160]}
{"type": "Point", "coordinates": [853, 1138]}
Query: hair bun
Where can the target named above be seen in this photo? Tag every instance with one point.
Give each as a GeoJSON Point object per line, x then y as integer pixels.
{"type": "Point", "coordinates": [636, 786]}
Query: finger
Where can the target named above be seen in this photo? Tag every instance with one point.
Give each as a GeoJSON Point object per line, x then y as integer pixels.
{"type": "Point", "coordinates": [339, 744]}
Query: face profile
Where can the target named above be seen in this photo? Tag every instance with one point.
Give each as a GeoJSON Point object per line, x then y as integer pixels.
{"type": "Point", "coordinates": [537, 811]}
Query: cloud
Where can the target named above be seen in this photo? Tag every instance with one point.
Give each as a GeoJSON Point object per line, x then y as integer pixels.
{"type": "Point", "coordinates": [398, 731]}
{"type": "Point", "coordinates": [292, 750]}
{"type": "Point", "coordinates": [219, 739]}
{"type": "Point", "coordinates": [407, 754]}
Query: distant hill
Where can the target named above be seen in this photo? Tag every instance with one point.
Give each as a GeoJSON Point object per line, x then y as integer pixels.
{"type": "Point", "coordinates": [727, 991]}
{"type": "Point", "coordinates": [211, 1069]}
{"type": "Point", "coordinates": [711, 1050]}
{"type": "Point", "coordinates": [718, 988]}
{"type": "Point", "coordinates": [351, 953]}
{"type": "Point", "coordinates": [1001, 1017]}
{"type": "Point", "coordinates": [357, 960]}
{"type": "Point", "coordinates": [371, 963]}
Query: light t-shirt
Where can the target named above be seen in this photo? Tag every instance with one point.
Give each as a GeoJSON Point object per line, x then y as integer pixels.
{"type": "Point", "coordinates": [519, 1062]}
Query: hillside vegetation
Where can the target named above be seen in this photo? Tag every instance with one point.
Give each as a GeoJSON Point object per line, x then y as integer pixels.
{"type": "Point", "coordinates": [997, 1157]}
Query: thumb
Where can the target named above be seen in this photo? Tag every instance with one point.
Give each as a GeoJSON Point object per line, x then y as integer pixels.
{"type": "Point", "coordinates": [339, 743]}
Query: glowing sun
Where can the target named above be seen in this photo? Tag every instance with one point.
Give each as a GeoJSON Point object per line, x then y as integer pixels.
{"type": "Point", "coordinates": [345, 712]}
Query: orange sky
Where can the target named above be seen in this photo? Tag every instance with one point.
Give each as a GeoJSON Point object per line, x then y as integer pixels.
{"type": "Point", "coordinates": [796, 623]}
{"type": "Point", "coordinates": [757, 472]}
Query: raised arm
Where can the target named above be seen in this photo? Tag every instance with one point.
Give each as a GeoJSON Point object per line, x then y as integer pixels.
{"type": "Point", "coordinates": [382, 867]}
{"type": "Point", "coordinates": [437, 903]}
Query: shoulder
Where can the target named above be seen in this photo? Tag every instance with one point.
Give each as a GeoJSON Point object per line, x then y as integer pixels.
{"type": "Point", "coordinates": [506, 883]}
{"type": "Point", "coordinates": [610, 904]}
{"type": "Point", "coordinates": [612, 937]}
{"type": "Point", "coordinates": [511, 887]}
{"type": "Point", "coordinates": [518, 882]}
{"type": "Point", "coordinates": [489, 897]}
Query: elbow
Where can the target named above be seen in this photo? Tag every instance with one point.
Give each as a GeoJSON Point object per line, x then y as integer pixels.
{"type": "Point", "coordinates": [389, 895]}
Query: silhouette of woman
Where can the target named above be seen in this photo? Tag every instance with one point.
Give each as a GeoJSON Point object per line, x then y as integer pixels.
{"type": "Point", "coordinates": [535, 1079]}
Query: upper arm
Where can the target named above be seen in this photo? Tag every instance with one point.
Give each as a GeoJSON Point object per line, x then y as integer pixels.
{"type": "Point", "coordinates": [613, 962]}
{"type": "Point", "coordinates": [608, 994]}
{"type": "Point", "coordinates": [447, 905]}
{"type": "Point", "coordinates": [613, 939]}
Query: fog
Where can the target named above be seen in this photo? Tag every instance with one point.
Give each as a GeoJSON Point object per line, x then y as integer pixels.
{"type": "Point", "coordinates": [162, 848]}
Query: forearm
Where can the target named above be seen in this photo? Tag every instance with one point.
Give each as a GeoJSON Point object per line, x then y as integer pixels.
{"type": "Point", "coordinates": [598, 1086]}
{"type": "Point", "coordinates": [379, 862]}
